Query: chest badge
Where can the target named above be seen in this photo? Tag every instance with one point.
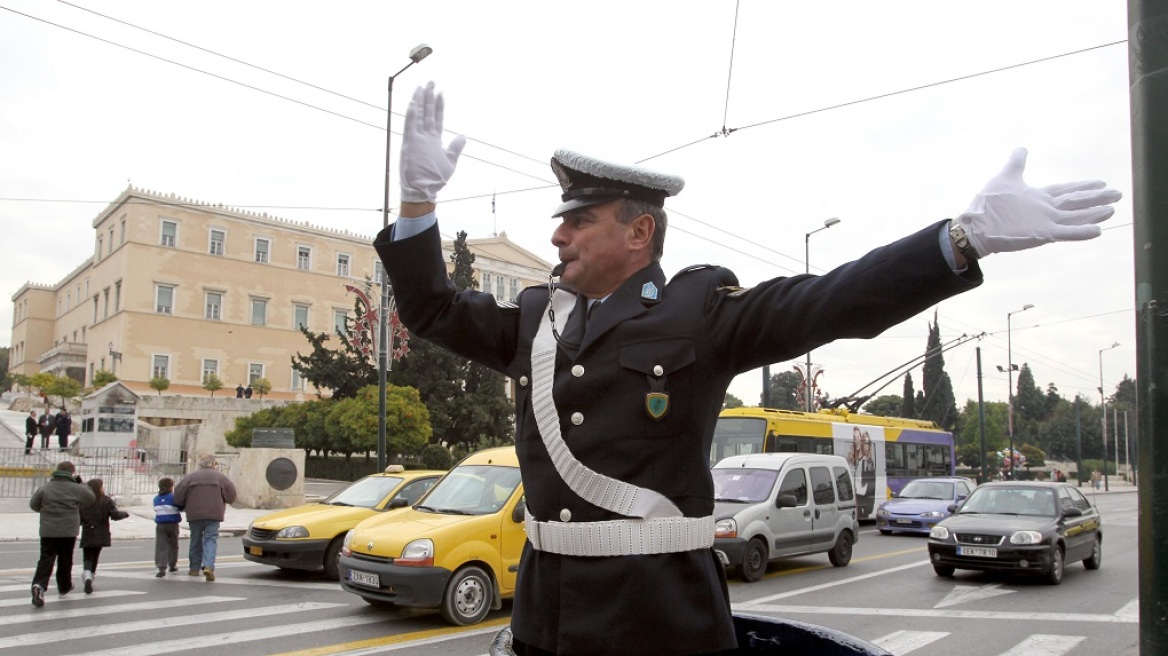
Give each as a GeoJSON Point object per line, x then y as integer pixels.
{"type": "Point", "coordinates": [657, 404]}
{"type": "Point", "coordinates": [649, 291]}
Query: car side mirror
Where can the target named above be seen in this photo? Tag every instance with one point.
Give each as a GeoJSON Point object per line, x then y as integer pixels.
{"type": "Point", "coordinates": [962, 497]}
{"type": "Point", "coordinates": [952, 508]}
{"type": "Point", "coordinates": [1072, 512]}
{"type": "Point", "coordinates": [399, 502]}
{"type": "Point", "coordinates": [519, 513]}
{"type": "Point", "coordinates": [786, 501]}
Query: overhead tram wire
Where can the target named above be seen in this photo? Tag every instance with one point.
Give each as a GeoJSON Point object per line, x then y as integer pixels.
{"type": "Point", "coordinates": [727, 132]}
{"type": "Point", "coordinates": [730, 73]}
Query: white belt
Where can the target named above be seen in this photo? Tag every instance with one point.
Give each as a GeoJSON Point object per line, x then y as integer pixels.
{"type": "Point", "coordinates": [621, 537]}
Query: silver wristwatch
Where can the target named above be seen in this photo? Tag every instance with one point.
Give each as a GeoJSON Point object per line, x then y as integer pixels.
{"type": "Point", "coordinates": [961, 241]}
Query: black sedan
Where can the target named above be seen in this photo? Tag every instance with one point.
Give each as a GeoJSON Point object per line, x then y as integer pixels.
{"type": "Point", "coordinates": [1018, 526]}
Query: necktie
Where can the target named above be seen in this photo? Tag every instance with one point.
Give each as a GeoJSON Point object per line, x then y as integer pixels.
{"type": "Point", "coordinates": [574, 330]}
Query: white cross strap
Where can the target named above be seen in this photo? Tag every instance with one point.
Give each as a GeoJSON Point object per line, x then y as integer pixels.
{"type": "Point", "coordinates": [621, 537]}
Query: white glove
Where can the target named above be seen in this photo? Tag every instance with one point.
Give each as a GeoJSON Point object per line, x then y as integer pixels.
{"type": "Point", "coordinates": [1009, 215]}
{"type": "Point", "coordinates": [425, 165]}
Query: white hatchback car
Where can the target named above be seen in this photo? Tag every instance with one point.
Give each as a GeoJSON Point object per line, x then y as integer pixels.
{"type": "Point", "coordinates": [776, 505]}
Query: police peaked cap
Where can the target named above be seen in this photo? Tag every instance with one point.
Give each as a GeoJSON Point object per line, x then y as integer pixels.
{"type": "Point", "coordinates": [589, 181]}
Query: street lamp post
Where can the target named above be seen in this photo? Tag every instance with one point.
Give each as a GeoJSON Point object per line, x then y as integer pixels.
{"type": "Point", "coordinates": [1010, 382]}
{"type": "Point", "coordinates": [1103, 406]}
{"type": "Point", "coordinates": [808, 378]}
{"type": "Point", "coordinates": [419, 53]}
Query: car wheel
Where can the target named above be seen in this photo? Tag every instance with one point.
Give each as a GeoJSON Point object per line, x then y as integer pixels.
{"type": "Point", "coordinates": [885, 531]}
{"type": "Point", "coordinates": [1054, 575]}
{"type": "Point", "coordinates": [468, 597]}
{"type": "Point", "coordinates": [944, 570]}
{"type": "Point", "coordinates": [378, 603]}
{"type": "Point", "coordinates": [841, 554]}
{"type": "Point", "coordinates": [754, 561]}
{"type": "Point", "coordinates": [332, 556]}
{"type": "Point", "coordinates": [1096, 558]}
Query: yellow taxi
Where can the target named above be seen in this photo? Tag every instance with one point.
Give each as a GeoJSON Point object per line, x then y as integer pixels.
{"type": "Point", "coordinates": [309, 537]}
{"type": "Point", "coordinates": [457, 549]}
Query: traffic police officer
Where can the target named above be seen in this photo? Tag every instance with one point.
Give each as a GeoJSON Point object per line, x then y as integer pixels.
{"type": "Point", "coordinates": [614, 419]}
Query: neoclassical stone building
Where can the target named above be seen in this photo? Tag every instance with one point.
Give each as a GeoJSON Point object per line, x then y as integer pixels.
{"type": "Point", "coordinates": [181, 289]}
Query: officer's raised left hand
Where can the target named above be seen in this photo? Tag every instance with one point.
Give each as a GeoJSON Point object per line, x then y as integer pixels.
{"type": "Point", "coordinates": [426, 166]}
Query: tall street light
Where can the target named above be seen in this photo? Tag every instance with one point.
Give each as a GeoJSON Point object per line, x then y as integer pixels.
{"type": "Point", "coordinates": [1103, 406]}
{"type": "Point", "coordinates": [808, 378]}
{"type": "Point", "coordinates": [1010, 378]}
{"type": "Point", "coordinates": [419, 53]}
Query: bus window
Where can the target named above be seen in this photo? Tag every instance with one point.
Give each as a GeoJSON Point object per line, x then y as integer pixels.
{"type": "Point", "coordinates": [735, 436]}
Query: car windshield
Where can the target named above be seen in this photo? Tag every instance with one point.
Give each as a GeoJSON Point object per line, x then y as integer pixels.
{"type": "Point", "coordinates": [743, 485]}
{"type": "Point", "coordinates": [927, 490]}
{"type": "Point", "coordinates": [1010, 501]}
{"type": "Point", "coordinates": [472, 490]}
{"type": "Point", "coordinates": [365, 493]}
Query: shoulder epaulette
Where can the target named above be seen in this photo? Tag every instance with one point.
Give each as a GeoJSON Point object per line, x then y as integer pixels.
{"type": "Point", "coordinates": [506, 305]}
{"type": "Point", "coordinates": [695, 267]}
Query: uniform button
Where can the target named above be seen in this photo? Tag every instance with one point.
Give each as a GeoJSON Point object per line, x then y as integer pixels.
{"type": "Point", "coordinates": [565, 515]}
{"type": "Point", "coordinates": [523, 381]}
{"type": "Point", "coordinates": [577, 418]}
{"type": "Point", "coordinates": [657, 370]}
{"type": "Point", "coordinates": [578, 370]}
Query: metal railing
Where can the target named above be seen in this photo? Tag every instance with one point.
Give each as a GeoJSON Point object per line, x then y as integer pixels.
{"type": "Point", "coordinates": [125, 472]}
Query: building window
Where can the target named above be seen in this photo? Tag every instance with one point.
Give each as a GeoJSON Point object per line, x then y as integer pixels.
{"type": "Point", "coordinates": [122, 233]}
{"type": "Point", "coordinates": [297, 380]}
{"type": "Point", "coordinates": [255, 371]}
{"type": "Point", "coordinates": [340, 322]}
{"type": "Point", "coordinates": [214, 306]}
{"type": "Point", "coordinates": [303, 258]}
{"type": "Point", "coordinates": [210, 368]}
{"type": "Point", "coordinates": [378, 272]}
{"type": "Point", "coordinates": [259, 312]}
{"type": "Point", "coordinates": [111, 241]}
{"type": "Point", "coordinates": [514, 293]}
{"type": "Point", "coordinates": [99, 243]}
{"type": "Point", "coordinates": [343, 265]}
{"type": "Point", "coordinates": [163, 299]}
{"type": "Point", "coordinates": [300, 316]}
{"type": "Point", "coordinates": [487, 282]}
{"type": "Point", "coordinates": [261, 250]}
{"type": "Point", "coordinates": [105, 304]}
{"type": "Point", "coordinates": [217, 239]}
{"type": "Point", "coordinates": [499, 288]}
{"type": "Point", "coordinates": [169, 234]}
{"type": "Point", "coordinates": [118, 296]}
{"type": "Point", "coordinates": [161, 368]}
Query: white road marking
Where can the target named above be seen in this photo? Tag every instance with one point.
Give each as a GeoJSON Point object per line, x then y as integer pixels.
{"type": "Point", "coordinates": [51, 597]}
{"type": "Point", "coordinates": [413, 644]}
{"type": "Point", "coordinates": [219, 640]}
{"type": "Point", "coordinates": [42, 615]}
{"type": "Point", "coordinates": [1130, 610]}
{"type": "Point", "coordinates": [182, 577]}
{"type": "Point", "coordinates": [942, 614]}
{"type": "Point", "coordinates": [903, 642]}
{"type": "Point", "coordinates": [1045, 645]}
{"type": "Point", "coordinates": [963, 594]}
{"type": "Point", "coordinates": [155, 624]}
{"type": "Point", "coordinates": [824, 586]}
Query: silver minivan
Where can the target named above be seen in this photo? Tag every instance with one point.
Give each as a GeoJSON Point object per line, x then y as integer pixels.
{"type": "Point", "coordinates": [776, 505]}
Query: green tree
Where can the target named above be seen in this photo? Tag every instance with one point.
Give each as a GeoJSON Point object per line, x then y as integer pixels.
{"type": "Point", "coordinates": [344, 370]}
{"type": "Point", "coordinates": [731, 401]}
{"type": "Point", "coordinates": [352, 423]}
{"type": "Point", "coordinates": [160, 384]}
{"type": "Point", "coordinates": [261, 386]}
{"type": "Point", "coordinates": [62, 387]}
{"type": "Point", "coordinates": [6, 381]}
{"type": "Point", "coordinates": [908, 407]}
{"type": "Point", "coordinates": [784, 387]}
{"type": "Point", "coordinates": [212, 383]}
{"type": "Point", "coordinates": [887, 405]}
{"type": "Point", "coordinates": [23, 381]}
{"type": "Point", "coordinates": [436, 456]}
{"type": "Point", "coordinates": [103, 377]}
{"type": "Point", "coordinates": [1029, 407]}
{"type": "Point", "coordinates": [995, 429]}
{"type": "Point", "coordinates": [940, 406]}
{"type": "Point", "coordinates": [42, 380]}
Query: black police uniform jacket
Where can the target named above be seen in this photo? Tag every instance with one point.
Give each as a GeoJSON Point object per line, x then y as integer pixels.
{"type": "Point", "coordinates": [701, 330]}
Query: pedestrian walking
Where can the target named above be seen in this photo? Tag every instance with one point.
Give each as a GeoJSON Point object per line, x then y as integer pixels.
{"type": "Point", "coordinates": [59, 503]}
{"type": "Point", "coordinates": [95, 530]}
{"type": "Point", "coordinates": [47, 425]}
{"type": "Point", "coordinates": [204, 495]}
{"type": "Point", "coordinates": [621, 375]}
{"type": "Point", "coordinates": [64, 428]}
{"type": "Point", "coordinates": [166, 521]}
{"type": "Point", "coordinates": [31, 430]}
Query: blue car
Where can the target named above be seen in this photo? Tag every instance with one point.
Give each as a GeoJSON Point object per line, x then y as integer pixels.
{"type": "Point", "coordinates": [921, 504]}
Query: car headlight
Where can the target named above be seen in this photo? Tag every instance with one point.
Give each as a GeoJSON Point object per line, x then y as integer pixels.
{"type": "Point", "coordinates": [932, 514]}
{"type": "Point", "coordinates": [726, 528]}
{"type": "Point", "coordinates": [1026, 537]}
{"type": "Point", "coordinates": [419, 553]}
{"type": "Point", "coordinates": [882, 511]}
{"type": "Point", "coordinates": [345, 550]}
{"type": "Point", "coordinates": [292, 532]}
{"type": "Point", "coordinates": [939, 533]}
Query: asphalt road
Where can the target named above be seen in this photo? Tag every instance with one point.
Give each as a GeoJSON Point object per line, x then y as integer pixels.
{"type": "Point", "coordinates": [887, 595]}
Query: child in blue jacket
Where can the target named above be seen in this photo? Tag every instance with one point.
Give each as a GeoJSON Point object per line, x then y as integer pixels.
{"type": "Point", "coordinates": [166, 520]}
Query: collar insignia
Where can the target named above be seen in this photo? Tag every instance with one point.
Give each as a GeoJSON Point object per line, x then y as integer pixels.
{"type": "Point", "coordinates": [649, 291]}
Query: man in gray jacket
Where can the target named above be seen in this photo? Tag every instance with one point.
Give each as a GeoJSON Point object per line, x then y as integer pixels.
{"type": "Point", "coordinates": [204, 495]}
{"type": "Point", "coordinates": [59, 502]}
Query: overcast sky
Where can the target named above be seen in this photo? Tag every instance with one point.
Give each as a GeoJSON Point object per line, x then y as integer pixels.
{"type": "Point", "coordinates": [80, 117]}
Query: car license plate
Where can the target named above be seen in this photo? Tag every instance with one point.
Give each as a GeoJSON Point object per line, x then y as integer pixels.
{"type": "Point", "coordinates": [981, 552]}
{"type": "Point", "coordinates": [364, 578]}
{"type": "Point", "coordinates": [255, 551]}
{"type": "Point", "coordinates": [904, 521]}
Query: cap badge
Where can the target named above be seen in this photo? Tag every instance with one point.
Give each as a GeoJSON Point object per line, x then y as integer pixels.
{"type": "Point", "coordinates": [649, 291]}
